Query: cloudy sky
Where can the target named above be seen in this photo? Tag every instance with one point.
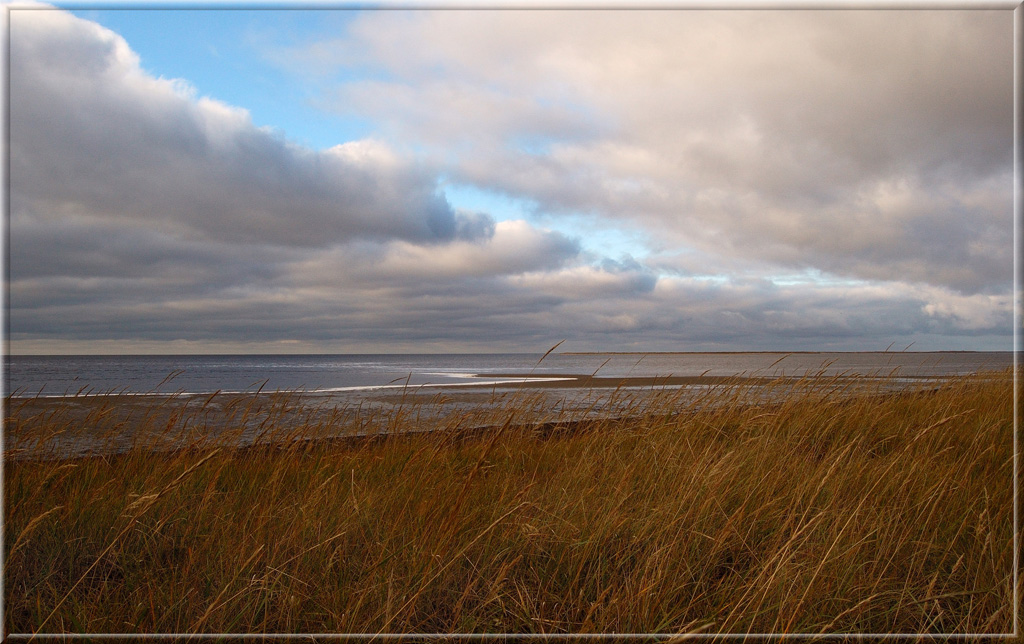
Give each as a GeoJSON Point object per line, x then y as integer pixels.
{"type": "Point", "coordinates": [230, 180]}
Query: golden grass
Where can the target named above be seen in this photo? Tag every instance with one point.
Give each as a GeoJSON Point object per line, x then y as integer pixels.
{"type": "Point", "coordinates": [817, 512]}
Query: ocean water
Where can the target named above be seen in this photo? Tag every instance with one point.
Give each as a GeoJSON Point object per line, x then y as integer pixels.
{"type": "Point", "coordinates": [373, 391]}
{"type": "Point", "coordinates": [27, 376]}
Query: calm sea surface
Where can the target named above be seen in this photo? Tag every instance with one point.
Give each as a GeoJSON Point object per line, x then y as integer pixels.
{"type": "Point", "coordinates": [70, 375]}
{"type": "Point", "coordinates": [369, 391]}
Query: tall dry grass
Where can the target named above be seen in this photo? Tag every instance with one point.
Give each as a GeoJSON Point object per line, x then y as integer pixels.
{"type": "Point", "coordinates": [820, 510]}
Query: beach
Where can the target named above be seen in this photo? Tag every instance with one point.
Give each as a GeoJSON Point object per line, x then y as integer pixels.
{"type": "Point", "coordinates": [94, 424]}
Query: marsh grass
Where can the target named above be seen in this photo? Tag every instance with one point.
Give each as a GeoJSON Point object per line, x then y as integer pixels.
{"type": "Point", "coordinates": [813, 509]}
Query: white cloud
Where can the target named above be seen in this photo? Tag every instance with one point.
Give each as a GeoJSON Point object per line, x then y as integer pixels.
{"type": "Point", "coordinates": [94, 137]}
{"type": "Point", "coordinates": [513, 248]}
{"type": "Point", "coordinates": [740, 147]}
{"type": "Point", "coordinates": [801, 138]}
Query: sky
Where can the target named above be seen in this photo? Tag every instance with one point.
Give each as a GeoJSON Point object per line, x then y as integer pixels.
{"type": "Point", "coordinates": [228, 180]}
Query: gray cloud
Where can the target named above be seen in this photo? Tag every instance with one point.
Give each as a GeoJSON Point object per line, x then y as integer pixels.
{"type": "Point", "coordinates": [590, 307]}
{"type": "Point", "coordinates": [95, 138]}
{"type": "Point", "coordinates": [144, 217]}
{"type": "Point", "coordinates": [474, 226]}
{"type": "Point", "coordinates": [868, 144]}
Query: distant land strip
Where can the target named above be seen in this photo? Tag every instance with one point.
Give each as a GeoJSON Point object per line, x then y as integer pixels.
{"type": "Point", "coordinates": [677, 353]}
{"type": "Point", "coordinates": [586, 380]}
{"type": "Point", "coordinates": [593, 382]}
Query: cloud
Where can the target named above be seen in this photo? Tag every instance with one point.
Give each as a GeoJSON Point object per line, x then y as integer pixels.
{"type": "Point", "coordinates": [514, 248]}
{"type": "Point", "coordinates": [94, 138]}
{"type": "Point", "coordinates": [870, 144]}
{"type": "Point", "coordinates": [146, 217]}
{"type": "Point", "coordinates": [140, 209]}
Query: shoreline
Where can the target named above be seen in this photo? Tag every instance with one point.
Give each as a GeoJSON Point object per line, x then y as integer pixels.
{"type": "Point", "coordinates": [506, 381]}
{"type": "Point", "coordinates": [540, 429]}
{"type": "Point", "coordinates": [106, 425]}
{"type": "Point", "coordinates": [786, 353]}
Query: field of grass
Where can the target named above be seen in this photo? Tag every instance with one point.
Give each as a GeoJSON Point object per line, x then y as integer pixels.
{"type": "Point", "coordinates": [816, 513]}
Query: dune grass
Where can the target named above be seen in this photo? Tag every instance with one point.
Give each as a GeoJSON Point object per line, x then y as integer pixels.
{"type": "Point", "coordinates": [817, 512]}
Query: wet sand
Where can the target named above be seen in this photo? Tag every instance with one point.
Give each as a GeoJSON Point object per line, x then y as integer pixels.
{"type": "Point", "coordinates": [69, 427]}
{"type": "Point", "coordinates": [577, 380]}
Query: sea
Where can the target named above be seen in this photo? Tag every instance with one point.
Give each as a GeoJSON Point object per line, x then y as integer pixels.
{"type": "Point", "coordinates": [97, 405]}
{"type": "Point", "coordinates": [57, 376]}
